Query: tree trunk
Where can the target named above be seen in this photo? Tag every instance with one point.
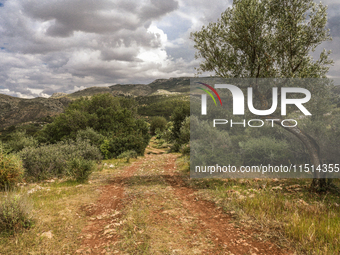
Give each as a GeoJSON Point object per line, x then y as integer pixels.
{"type": "Point", "coordinates": [319, 177]}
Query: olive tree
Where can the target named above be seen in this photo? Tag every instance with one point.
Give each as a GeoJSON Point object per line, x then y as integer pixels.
{"type": "Point", "coordinates": [269, 39]}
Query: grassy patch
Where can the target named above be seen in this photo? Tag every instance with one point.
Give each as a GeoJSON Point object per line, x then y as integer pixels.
{"type": "Point", "coordinates": [58, 219]}
{"type": "Point", "coordinates": [15, 212]}
{"type": "Point", "coordinates": [154, 219]}
{"type": "Point", "coordinates": [284, 209]}
{"type": "Point", "coordinates": [135, 238]}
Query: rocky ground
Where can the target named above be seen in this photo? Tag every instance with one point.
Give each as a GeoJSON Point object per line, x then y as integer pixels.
{"type": "Point", "coordinates": [147, 209]}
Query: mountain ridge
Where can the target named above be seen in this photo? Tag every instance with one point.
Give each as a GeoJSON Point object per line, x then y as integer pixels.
{"type": "Point", "coordinates": [15, 111]}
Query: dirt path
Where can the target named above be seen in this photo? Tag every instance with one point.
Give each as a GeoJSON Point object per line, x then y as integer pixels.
{"type": "Point", "coordinates": [147, 209]}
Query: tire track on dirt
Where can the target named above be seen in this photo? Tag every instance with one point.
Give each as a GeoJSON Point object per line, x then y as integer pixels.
{"type": "Point", "coordinates": [189, 219]}
{"type": "Point", "coordinates": [227, 237]}
{"type": "Point", "coordinates": [105, 213]}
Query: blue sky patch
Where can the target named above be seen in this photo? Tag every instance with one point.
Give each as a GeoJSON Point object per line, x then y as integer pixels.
{"type": "Point", "coordinates": [174, 26]}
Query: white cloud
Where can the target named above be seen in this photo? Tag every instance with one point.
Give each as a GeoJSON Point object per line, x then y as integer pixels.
{"type": "Point", "coordinates": [67, 45]}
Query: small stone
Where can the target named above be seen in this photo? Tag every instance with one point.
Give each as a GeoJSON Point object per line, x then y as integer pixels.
{"type": "Point", "coordinates": [107, 231]}
{"type": "Point", "coordinates": [48, 234]}
{"type": "Point", "coordinates": [277, 187]}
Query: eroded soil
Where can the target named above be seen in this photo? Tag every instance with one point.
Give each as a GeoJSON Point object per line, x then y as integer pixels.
{"type": "Point", "coordinates": [147, 209]}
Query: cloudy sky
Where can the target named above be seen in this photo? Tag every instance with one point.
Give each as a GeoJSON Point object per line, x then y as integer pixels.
{"type": "Point", "coordinates": [49, 46]}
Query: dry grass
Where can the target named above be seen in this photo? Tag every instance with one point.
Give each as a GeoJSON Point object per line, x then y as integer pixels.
{"type": "Point", "coordinates": [15, 212]}
{"type": "Point", "coordinates": [284, 209]}
{"type": "Point", "coordinates": [56, 210]}
{"type": "Point", "coordinates": [154, 219]}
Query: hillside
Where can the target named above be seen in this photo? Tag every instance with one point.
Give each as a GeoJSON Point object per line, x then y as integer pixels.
{"type": "Point", "coordinates": [18, 110]}
{"type": "Point", "coordinates": [15, 111]}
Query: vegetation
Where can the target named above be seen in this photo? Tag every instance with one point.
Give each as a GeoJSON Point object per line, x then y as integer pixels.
{"type": "Point", "coordinates": [111, 124]}
{"type": "Point", "coordinates": [160, 105]}
{"type": "Point", "coordinates": [48, 161]}
{"type": "Point", "coordinates": [116, 129]}
{"type": "Point", "coordinates": [265, 39]}
{"type": "Point", "coordinates": [270, 39]}
{"type": "Point", "coordinates": [157, 123]}
{"type": "Point", "coordinates": [184, 136]}
{"type": "Point", "coordinates": [284, 210]}
{"type": "Point", "coordinates": [11, 169]}
{"type": "Point", "coordinates": [178, 119]}
{"type": "Point", "coordinates": [80, 169]}
{"type": "Point", "coordinates": [20, 140]}
{"type": "Point", "coordinates": [127, 155]}
{"type": "Point", "coordinates": [15, 212]}
{"type": "Point", "coordinates": [56, 210]}
{"type": "Point", "coordinates": [89, 134]}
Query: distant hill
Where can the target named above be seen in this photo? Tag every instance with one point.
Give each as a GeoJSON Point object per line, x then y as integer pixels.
{"type": "Point", "coordinates": [181, 85]}
{"type": "Point", "coordinates": [157, 98]}
{"type": "Point", "coordinates": [16, 111]}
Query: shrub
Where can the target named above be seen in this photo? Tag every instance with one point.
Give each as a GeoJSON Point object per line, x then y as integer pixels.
{"type": "Point", "coordinates": [15, 212]}
{"type": "Point", "coordinates": [136, 140]}
{"type": "Point", "coordinates": [207, 151]}
{"type": "Point", "coordinates": [90, 134]}
{"type": "Point", "coordinates": [11, 169]}
{"type": "Point", "coordinates": [167, 134]}
{"type": "Point", "coordinates": [128, 155]}
{"type": "Point", "coordinates": [157, 123]}
{"type": "Point", "coordinates": [99, 118]}
{"type": "Point", "coordinates": [20, 140]}
{"type": "Point", "coordinates": [183, 137]}
{"type": "Point", "coordinates": [184, 134]}
{"type": "Point", "coordinates": [177, 117]}
{"type": "Point", "coordinates": [52, 160]}
{"type": "Point", "coordinates": [103, 113]}
{"type": "Point", "coordinates": [185, 149]}
{"type": "Point", "coordinates": [118, 145]}
{"type": "Point", "coordinates": [265, 150]}
{"type": "Point", "coordinates": [80, 169]}
{"type": "Point", "coordinates": [104, 148]}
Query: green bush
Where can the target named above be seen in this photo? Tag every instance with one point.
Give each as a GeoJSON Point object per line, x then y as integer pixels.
{"type": "Point", "coordinates": [185, 149]}
{"type": "Point", "coordinates": [11, 169]}
{"type": "Point", "coordinates": [15, 212]}
{"type": "Point", "coordinates": [167, 134]}
{"type": "Point", "coordinates": [265, 150]}
{"type": "Point", "coordinates": [20, 140]}
{"type": "Point", "coordinates": [91, 135]}
{"type": "Point", "coordinates": [178, 116]}
{"type": "Point", "coordinates": [118, 145]}
{"type": "Point", "coordinates": [110, 123]}
{"type": "Point", "coordinates": [207, 151]}
{"type": "Point", "coordinates": [103, 113]}
{"type": "Point", "coordinates": [157, 123]}
{"type": "Point", "coordinates": [52, 160]}
{"type": "Point", "coordinates": [104, 148]}
{"type": "Point", "coordinates": [80, 169]}
{"type": "Point", "coordinates": [128, 155]}
{"type": "Point", "coordinates": [183, 138]}
{"type": "Point", "coordinates": [184, 132]}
